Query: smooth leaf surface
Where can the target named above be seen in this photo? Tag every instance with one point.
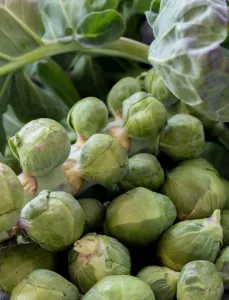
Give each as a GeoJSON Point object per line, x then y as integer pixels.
{"type": "Point", "coordinates": [100, 28]}
{"type": "Point", "coordinates": [187, 53]}
{"type": "Point", "coordinates": [141, 5]}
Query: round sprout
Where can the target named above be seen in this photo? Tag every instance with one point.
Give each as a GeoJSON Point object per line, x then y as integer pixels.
{"type": "Point", "coordinates": [94, 213]}
{"type": "Point", "coordinates": [200, 280]}
{"type": "Point", "coordinates": [162, 281]}
{"type": "Point", "coordinates": [54, 220]}
{"type": "Point", "coordinates": [143, 116]}
{"type": "Point", "coordinates": [120, 287]}
{"type": "Point", "coordinates": [195, 191]}
{"type": "Point", "coordinates": [122, 90]}
{"type": "Point", "coordinates": [12, 198]}
{"type": "Point", "coordinates": [18, 261]}
{"type": "Point", "coordinates": [156, 86]}
{"type": "Point", "coordinates": [222, 266]}
{"type": "Point", "coordinates": [218, 156]}
{"type": "Point", "coordinates": [139, 216]}
{"type": "Point", "coordinates": [183, 137]}
{"type": "Point", "coordinates": [96, 256]}
{"type": "Point", "coordinates": [103, 160]}
{"type": "Point", "coordinates": [144, 171]}
{"type": "Point", "coordinates": [225, 225]}
{"type": "Point", "coordinates": [45, 284]}
{"type": "Point", "coordinates": [88, 116]}
{"type": "Point", "coordinates": [190, 240]}
{"type": "Point", "coordinates": [40, 146]}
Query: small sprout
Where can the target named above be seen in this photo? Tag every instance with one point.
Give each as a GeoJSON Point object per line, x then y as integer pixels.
{"type": "Point", "coordinates": [222, 266]}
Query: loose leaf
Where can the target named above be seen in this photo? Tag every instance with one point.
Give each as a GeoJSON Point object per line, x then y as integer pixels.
{"type": "Point", "coordinates": [100, 28]}
{"type": "Point", "coordinates": [187, 54]}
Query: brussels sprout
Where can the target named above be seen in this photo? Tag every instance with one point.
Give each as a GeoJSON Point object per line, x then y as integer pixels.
{"type": "Point", "coordinates": [45, 284]}
{"type": "Point", "coordinates": [218, 156]}
{"type": "Point", "coordinates": [162, 281]}
{"type": "Point", "coordinates": [155, 85]}
{"type": "Point", "coordinates": [144, 171]}
{"type": "Point", "coordinates": [190, 240]}
{"type": "Point", "coordinates": [178, 107]}
{"type": "Point", "coordinates": [40, 146]}
{"type": "Point", "coordinates": [88, 116]}
{"type": "Point", "coordinates": [120, 287]}
{"type": "Point", "coordinates": [222, 266]}
{"type": "Point", "coordinates": [199, 163]}
{"type": "Point", "coordinates": [200, 280]}
{"type": "Point", "coordinates": [96, 256]}
{"type": "Point", "coordinates": [122, 90]}
{"type": "Point", "coordinates": [224, 221]}
{"type": "Point", "coordinates": [143, 116]}
{"type": "Point", "coordinates": [54, 220]}
{"type": "Point", "coordinates": [139, 216]}
{"type": "Point", "coordinates": [103, 160]}
{"type": "Point", "coordinates": [12, 197]}
{"type": "Point", "coordinates": [18, 261]}
{"type": "Point", "coordinates": [195, 191]}
{"type": "Point", "coordinates": [94, 213]}
{"type": "Point", "coordinates": [183, 137]}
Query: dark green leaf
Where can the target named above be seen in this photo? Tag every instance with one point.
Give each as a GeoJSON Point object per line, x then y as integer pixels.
{"type": "Point", "coordinates": [54, 78]}
{"type": "Point", "coordinates": [142, 5]}
{"type": "Point", "coordinates": [100, 28]}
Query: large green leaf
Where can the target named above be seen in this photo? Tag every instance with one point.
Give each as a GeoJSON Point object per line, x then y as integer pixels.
{"type": "Point", "coordinates": [187, 54]}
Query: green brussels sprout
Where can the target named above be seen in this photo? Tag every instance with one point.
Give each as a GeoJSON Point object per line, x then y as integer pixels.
{"type": "Point", "coordinates": [200, 280]}
{"type": "Point", "coordinates": [139, 216]}
{"type": "Point", "coordinates": [88, 116]}
{"type": "Point", "coordinates": [54, 220]}
{"type": "Point", "coordinates": [120, 287]}
{"type": "Point", "coordinates": [45, 284]}
{"type": "Point", "coordinates": [40, 146]}
{"type": "Point", "coordinates": [143, 116]}
{"type": "Point", "coordinates": [224, 221]}
{"type": "Point", "coordinates": [162, 281]}
{"type": "Point", "coordinates": [199, 163]}
{"type": "Point", "coordinates": [183, 137]}
{"type": "Point", "coordinates": [195, 191]}
{"type": "Point", "coordinates": [122, 90]}
{"type": "Point", "coordinates": [94, 213]}
{"type": "Point", "coordinates": [18, 261]}
{"type": "Point", "coordinates": [176, 108]}
{"type": "Point", "coordinates": [190, 240]}
{"type": "Point", "coordinates": [155, 85]}
{"type": "Point", "coordinates": [12, 197]}
{"type": "Point", "coordinates": [226, 188]}
{"type": "Point", "coordinates": [103, 160]}
{"type": "Point", "coordinates": [144, 171]}
{"type": "Point", "coordinates": [96, 256]}
{"type": "Point", "coordinates": [222, 266]}
{"type": "Point", "coordinates": [218, 156]}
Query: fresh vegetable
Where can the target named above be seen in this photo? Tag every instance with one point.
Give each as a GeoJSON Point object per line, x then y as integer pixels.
{"type": "Point", "coordinates": [222, 266]}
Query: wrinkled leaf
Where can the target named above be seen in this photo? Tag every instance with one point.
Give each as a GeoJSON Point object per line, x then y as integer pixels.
{"type": "Point", "coordinates": [100, 28]}
{"type": "Point", "coordinates": [187, 53]}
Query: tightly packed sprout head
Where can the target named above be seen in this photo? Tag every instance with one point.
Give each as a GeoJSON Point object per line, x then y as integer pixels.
{"type": "Point", "coordinates": [222, 266]}
{"type": "Point", "coordinates": [88, 116]}
{"type": "Point", "coordinates": [45, 284]}
{"type": "Point", "coordinates": [139, 216]}
{"type": "Point", "coordinates": [154, 85]}
{"type": "Point", "coordinates": [162, 281]}
{"type": "Point", "coordinates": [122, 90]}
{"type": "Point", "coordinates": [18, 261]}
{"type": "Point", "coordinates": [144, 171]}
{"type": "Point", "coordinates": [12, 198]}
{"type": "Point", "coordinates": [120, 287]}
{"type": "Point", "coordinates": [40, 146]}
{"type": "Point", "coordinates": [143, 116]}
{"type": "Point", "coordinates": [103, 160]}
{"type": "Point", "coordinates": [54, 220]}
{"type": "Point", "coordinates": [195, 190]}
{"type": "Point", "coordinates": [94, 213]}
{"type": "Point", "coordinates": [190, 240]}
{"type": "Point", "coordinates": [96, 256]}
{"type": "Point", "coordinates": [200, 280]}
{"type": "Point", "coordinates": [183, 137]}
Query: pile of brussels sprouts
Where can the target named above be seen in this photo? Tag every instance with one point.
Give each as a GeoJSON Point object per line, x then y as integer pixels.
{"type": "Point", "coordinates": [137, 207]}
